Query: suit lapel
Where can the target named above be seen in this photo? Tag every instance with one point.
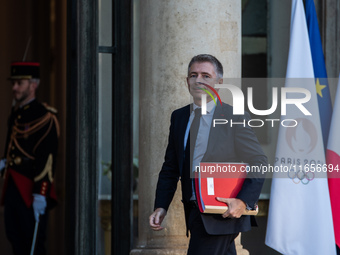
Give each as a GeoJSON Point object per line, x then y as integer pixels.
{"type": "Point", "coordinates": [182, 128]}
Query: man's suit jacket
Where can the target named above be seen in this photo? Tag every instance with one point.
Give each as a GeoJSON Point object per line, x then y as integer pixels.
{"type": "Point", "coordinates": [225, 144]}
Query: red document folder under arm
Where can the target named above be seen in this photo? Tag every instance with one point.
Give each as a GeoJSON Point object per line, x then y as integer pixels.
{"type": "Point", "coordinates": [219, 180]}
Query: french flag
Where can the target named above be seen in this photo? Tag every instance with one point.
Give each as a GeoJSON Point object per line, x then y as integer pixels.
{"type": "Point", "coordinates": [333, 161]}
{"type": "Point", "coordinates": [331, 142]}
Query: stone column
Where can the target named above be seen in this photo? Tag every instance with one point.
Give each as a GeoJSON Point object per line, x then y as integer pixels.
{"type": "Point", "coordinates": [171, 33]}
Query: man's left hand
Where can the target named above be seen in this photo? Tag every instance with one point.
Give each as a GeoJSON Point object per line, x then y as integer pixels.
{"type": "Point", "coordinates": [39, 205]}
{"type": "Point", "coordinates": [236, 207]}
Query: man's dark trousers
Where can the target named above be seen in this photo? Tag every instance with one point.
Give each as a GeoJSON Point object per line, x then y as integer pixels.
{"type": "Point", "coordinates": [20, 223]}
{"type": "Point", "coordinates": [201, 243]}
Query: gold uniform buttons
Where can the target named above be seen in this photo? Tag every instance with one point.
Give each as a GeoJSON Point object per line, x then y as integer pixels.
{"type": "Point", "coordinates": [19, 117]}
{"type": "Point", "coordinates": [17, 160]}
{"type": "Point", "coordinates": [11, 163]}
{"type": "Point", "coordinates": [13, 148]}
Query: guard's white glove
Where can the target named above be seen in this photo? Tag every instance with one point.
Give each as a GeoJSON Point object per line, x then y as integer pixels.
{"type": "Point", "coordinates": [39, 205]}
{"type": "Point", "coordinates": [2, 164]}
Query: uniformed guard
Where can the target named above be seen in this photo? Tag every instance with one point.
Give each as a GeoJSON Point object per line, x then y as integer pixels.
{"type": "Point", "coordinates": [28, 164]}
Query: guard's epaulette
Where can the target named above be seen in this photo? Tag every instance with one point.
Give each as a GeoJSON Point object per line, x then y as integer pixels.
{"type": "Point", "coordinates": [50, 108]}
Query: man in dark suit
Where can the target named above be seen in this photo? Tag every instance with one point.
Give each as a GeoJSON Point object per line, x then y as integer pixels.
{"type": "Point", "coordinates": [210, 233]}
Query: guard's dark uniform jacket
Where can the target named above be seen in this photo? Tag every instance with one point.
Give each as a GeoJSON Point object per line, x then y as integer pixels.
{"type": "Point", "coordinates": [31, 149]}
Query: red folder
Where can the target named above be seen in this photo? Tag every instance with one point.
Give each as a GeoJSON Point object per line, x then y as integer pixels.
{"type": "Point", "coordinates": [219, 180]}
